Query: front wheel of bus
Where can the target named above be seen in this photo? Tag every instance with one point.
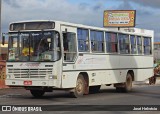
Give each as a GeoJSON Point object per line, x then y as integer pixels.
{"type": "Point", "coordinates": [80, 87]}
{"type": "Point", "coordinates": [37, 93]}
{"type": "Point", "coordinates": [128, 84]}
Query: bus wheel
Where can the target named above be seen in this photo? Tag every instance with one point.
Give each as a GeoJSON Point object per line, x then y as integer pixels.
{"type": "Point", "coordinates": [119, 89]}
{"type": "Point", "coordinates": [80, 87]}
{"type": "Point", "coordinates": [128, 83]}
{"type": "Point", "coordinates": [94, 89]}
{"type": "Point", "coordinates": [37, 93]}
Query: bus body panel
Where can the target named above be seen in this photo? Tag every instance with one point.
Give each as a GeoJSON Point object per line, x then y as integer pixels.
{"type": "Point", "coordinates": [107, 69]}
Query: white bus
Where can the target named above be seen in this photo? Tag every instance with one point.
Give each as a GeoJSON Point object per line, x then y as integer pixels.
{"type": "Point", "coordinates": [48, 55]}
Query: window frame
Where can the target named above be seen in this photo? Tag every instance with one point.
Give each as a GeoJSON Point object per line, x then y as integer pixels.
{"type": "Point", "coordinates": [139, 52]}
{"type": "Point", "coordinates": [86, 42]}
{"type": "Point", "coordinates": [98, 39]}
{"type": "Point", "coordinates": [133, 45]}
{"type": "Point", "coordinates": [67, 53]}
{"type": "Point", "coordinates": [110, 43]}
{"type": "Point", "coordinates": [149, 45]}
{"type": "Point", "coordinates": [124, 47]}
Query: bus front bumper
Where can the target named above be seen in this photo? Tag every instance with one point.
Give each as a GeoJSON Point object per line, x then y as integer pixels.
{"type": "Point", "coordinates": [27, 82]}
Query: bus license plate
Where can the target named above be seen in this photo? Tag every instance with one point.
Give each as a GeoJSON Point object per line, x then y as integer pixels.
{"type": "Point", "coordinates": [27, 82]}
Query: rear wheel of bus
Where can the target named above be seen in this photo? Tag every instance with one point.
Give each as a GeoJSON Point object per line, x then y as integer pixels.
{"type": "Point", "coordinates": [37, 93]}
{"type": "Point", "coordinates": [127, 86]}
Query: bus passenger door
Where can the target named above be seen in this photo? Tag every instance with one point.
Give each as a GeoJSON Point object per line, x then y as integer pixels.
{"type": "Point", "coordinates": [69, 54]}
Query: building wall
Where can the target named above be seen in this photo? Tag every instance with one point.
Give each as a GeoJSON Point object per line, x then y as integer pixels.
{"type": "Point", "coordinates": [157, 50]}
{"type": "Point", "coordinates": [157, 54]}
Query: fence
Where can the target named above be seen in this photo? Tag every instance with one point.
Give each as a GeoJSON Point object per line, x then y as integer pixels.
{"type": "Point", "coordinates": [2, 73]}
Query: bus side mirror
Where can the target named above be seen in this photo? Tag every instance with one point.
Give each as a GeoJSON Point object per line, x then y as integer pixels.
{"type": "Point", "coordinates": [3, 38]}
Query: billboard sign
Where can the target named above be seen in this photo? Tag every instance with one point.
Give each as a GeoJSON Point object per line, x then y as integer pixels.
{"type": "Point", "coordinates": [119, 18]}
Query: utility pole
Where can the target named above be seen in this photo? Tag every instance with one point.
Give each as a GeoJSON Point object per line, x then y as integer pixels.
{"type": "Point", "coordinates": [0, 24]}
{"type": "Point", "coordinates": [0, 16]}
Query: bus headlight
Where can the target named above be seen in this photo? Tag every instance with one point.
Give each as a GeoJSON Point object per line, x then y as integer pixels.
{"type": "Point", "coordinates": [52, 77]}
{"type": "Point", "coordinates": [8, 76]}
{"type": "Point", "coordinates": [44, 83]}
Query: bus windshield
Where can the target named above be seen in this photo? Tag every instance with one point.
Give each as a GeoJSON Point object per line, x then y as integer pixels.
{"type": "Point", "coordinates": [34, 46]}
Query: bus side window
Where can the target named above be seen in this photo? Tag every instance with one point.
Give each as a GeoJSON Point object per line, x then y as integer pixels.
{"type": "Point", "coordinates": [69, 41]}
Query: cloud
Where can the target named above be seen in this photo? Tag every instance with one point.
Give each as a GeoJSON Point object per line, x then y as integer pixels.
{"type": "Point", "coordinates": [125, 6]}
{"type": "Point", "coordinates": [12, 3]}
{"type": "Point", "coordinates": [24, 3]}
{"type": "Point", "coordinates": [98, 6]}
{"type": "Point", "coordinates": [147, 14]}
{"type": "Point", "coordinates": [84, 12]}
{"type": "Point", "coordinates": [149, 3]}
{"type": "Point", "coordinates": [90, 14]}
{"type": "Point", "coordinates": [83, 6]}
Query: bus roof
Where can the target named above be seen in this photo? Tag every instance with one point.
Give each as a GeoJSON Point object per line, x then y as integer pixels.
{"type": "Point", "coordinates": [111, 29]}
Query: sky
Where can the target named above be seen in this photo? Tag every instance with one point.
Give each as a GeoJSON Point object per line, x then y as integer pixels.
{"type": "Point", "coordinates": [88, 12]}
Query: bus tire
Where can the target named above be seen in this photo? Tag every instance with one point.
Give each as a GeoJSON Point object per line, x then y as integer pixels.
{"type": "Point", "coordinates": [37, 93]}
{"type": "Point", "coordinates": [94, 89]}
{"type": "Point", "coordinates": [128, 83]}
{"type": "Point", "coordinates": [119, 89]}
{"type": "Point", "coordinates": [80, 87]}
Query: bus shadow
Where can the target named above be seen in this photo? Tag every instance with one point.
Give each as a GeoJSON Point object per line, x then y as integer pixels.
{"type": "Point", "coordinates": [67, 95]}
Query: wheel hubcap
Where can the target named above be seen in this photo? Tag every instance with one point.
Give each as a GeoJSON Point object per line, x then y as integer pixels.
{"type": "Point", "coordinates": [129, 84]}
{"type": "Point", "coordinates": [79, 87]}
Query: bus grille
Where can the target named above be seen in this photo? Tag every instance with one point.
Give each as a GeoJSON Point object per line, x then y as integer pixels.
{"type": "Point", "coordinates": [30, 73]}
